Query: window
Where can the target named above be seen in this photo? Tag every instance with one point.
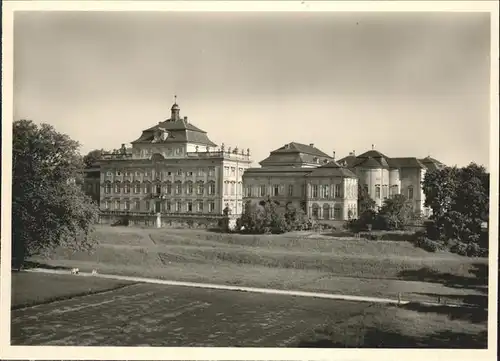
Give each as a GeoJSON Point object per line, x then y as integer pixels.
{"type": "Point", "coordinates": [232, 189]}
{"type": "Point", "coordinates": [137, 188]}
{"type": "Point", "coordinates": [240, 171]}
{"type": "Point", "coordinates": [189, 174]}
{"type": "Point", "coordinates": [262, 190]}
{"type": "Point", "coordinates": [137, 173]}
{"type": "Point", "coordinates": [315, 191]}
{"type": "Point", "coordinates": [377, 191]}
{"type": "Point", "coordinates": [179, 171]}
{"type": "Point", "coordinates": [169, 173]}
{"type": "Point", "coordinates": [211, 188]}
{"type": "Point", "coordinates": [158, 189]}
{"type": "Point", "coordinates": [211, 171]}
{"type": "Point", "coordinates": [117, 205]}
{"type": "Point", "coordinates": [137, 205]}
{"type": "Point", "coordinates": [146, 174]}
{"type": "Point", "coordinates": [337, 213]}
{"type": "Point", "coordinates": [200, 207]}
{"type": "Point", "coordinates": [394, 190]}
{"type": "Point", "coordinates": [276, 190]}
{"type": "Point", "coordinates": [126, 188]}
{"type": "Point", "coordinates": [385, 191]}
{"type": "Point", "coordinates": [365, 187]}
{"type": "Point", "coordinates": [107, 188]}
{"type": "Point", "coordinates": [189, 188]}
{"type": "Point", "coordinates": [226, 188]}
{"type": "Point", "coordinates": [168, 206]}
{"type": "Point", "coordinates": [127, 205]}
{"type": "Point", "coordinates": [117, 188]}
{"type": "Point", "coordinates": [178, 206]}
{"type": "Point", "coordinates": [169, 188]}
{"type": "Point", "coordinates": [226, 171]}
{"type": "Point", "coordinates": [290, 190]}
{"type": "Point", "coordinates": [410, 192]}
{"type": "Point", "coordinates": [233, 171]}
{"type": "Point", "coordinates": [338, 190]}
{"type": "Point", "coordinates": [189, 206]}
{"type": "Point", "coordinates": [178, 151]}
{"type": "Point", "coordinates": [249, 191]}
{"type": "Point", "coordinates": [106, 204]}
{"type": "Point", "coordinates": [325, 191]}
{"type": "Point", "coordinates": [201, 172]}
{"type": "Point", "coordinates": [147, 188]}
{"type": "Point", "coordinates": [118, 172]}
{"type": "Point", "coordinates": [211, 206]}
{"type": "Point", "coordinates": [178, 188]}
{"type": "Point", "coordinates": [127, 174]}
{"type": "Point", "coordinates": [200, 189]}
{"type": "Point", "coordinates": [109, 174]}
{"type": "Point", "coordinates": [303, 189]}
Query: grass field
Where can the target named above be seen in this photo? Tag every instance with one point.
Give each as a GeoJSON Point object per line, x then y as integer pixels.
{"type": "Point", "coordinates": [157, 315]}
{"type": "Point", "coordinates": [34, 289]}
{"type": "Point", "coordinates": [300, 260]}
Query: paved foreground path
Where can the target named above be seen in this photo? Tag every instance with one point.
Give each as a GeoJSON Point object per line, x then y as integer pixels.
{"type": "Point", "coordinates": [161, 315]}
{"type": "Point", "coordinates": [232, 288]}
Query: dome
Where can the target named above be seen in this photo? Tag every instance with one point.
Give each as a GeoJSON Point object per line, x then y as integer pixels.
{"type": "Point", "coordinates": [175, 107]}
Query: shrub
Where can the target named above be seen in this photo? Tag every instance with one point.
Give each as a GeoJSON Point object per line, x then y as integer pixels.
{"type": "Point", "coordinates": [371, 236]}
{"type": "Point", "coordinates": [429, 244]}
{"type": "Point", "coordinates": [459, 248]}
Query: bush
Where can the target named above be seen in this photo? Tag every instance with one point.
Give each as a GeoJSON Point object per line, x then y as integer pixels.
{"type": "Point", "coordinates": [429, 244]}
{"type": "Point", "coordinates": [468, 249]}
{"type": "Point", "coordinates": [371, 236]}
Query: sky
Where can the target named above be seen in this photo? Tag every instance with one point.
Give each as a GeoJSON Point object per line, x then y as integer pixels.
{"type": "Point", "coordinates": [411, 84]}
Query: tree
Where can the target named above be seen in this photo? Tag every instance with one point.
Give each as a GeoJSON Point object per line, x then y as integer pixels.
{"type": "Point", "coordinates": [48, 208]}
{"type": "Point", "coordinates": [395, 213]}
{"type": "Point", "coordinates": [365, 202]}
{"type": "Point", "coordinates": [459, 198]}
{"type": "Point", "coordinates": [92, 157]}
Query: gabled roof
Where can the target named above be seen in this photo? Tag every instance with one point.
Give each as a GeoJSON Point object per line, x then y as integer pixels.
{"type": "Point", "coordinates": [375, 159]}
{"type": "Point", "coordinates": [332, 169]}
{"type": "Point", "coordinates": [372, 153]}
{"type": "Point", "coordinates": [295, 147]}
{"type": "Point", "coordinates": [296, 154]}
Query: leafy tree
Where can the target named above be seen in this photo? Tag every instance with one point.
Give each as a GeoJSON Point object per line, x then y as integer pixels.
{"type": "Point", "coordinates": [395, 213]}
{"type": "Point", "coordinates": [365, 202]}
{"type": "Point", "coordinates": [270, 217]}
{"type": "Point", "coordinates": [48, 208]}
{"type": "Point", "coordinates": [459, 198]}
{"type": "Point", "coordinates": [92, 157]}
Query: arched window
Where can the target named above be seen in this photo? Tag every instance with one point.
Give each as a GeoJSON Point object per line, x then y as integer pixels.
{"type": "Point", "coordinates": [410, 192]}
{"type": "Point", "coordinates": [326, 211]}
{"type": "Point", "coordinates": [189, 187]}
{"type": "Point", "coordinates": [377, 191]}
{"type": "Point", "coordinates": [200, 189]}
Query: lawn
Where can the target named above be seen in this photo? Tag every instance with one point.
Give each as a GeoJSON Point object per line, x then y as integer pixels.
{"type": "Point", "coordinates": [30, 289]}
{"type": "Point", "coordinates": [157, 315]}
{"type": "Point", "coordinates": [299, 260]}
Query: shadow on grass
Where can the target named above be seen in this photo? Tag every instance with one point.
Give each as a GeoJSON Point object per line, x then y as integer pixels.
{"type": "Point", "coordinates": [470, 300]}
{"type": "Point", "coordinates": [470, 314]}
{"type": "Point", "coordinates": [478, 281]}
{"type": "Point", "coordinates": [375, 338]}
{"type": "Point", "coordinates": [33, 264]}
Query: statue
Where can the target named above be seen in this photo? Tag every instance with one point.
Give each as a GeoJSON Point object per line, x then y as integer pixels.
{"type": "Point", "coordinates": [229, 149]}
{"type": "Point", "coordinates": [235, 151]}
{"type": "Point", "coordinates": [248, 151]}
{"type": "Point", "coordinates": [222, 148]}
{"type": "Point", "coordinates": [208, 149]}
{"type": "Point", "coordinates": [196, 148]}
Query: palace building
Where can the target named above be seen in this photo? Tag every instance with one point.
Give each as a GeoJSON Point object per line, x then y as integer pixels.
{"type": "Point", "coordinates": [304, 176]}
{"type": "Point", "coordinates": [172, 167]}
{"type": "Point", "coordinates": [384, 177]}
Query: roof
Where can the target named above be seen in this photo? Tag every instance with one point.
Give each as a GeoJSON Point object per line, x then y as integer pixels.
{"type": "Point", "coordinates": [278, 169]}
{"type": "Point", "coordinates": [376, 159]}
{"type": "Point", "coordinates": [332, 169]}
{"type": "Point", "coordinates": [295, 147]}
{"type": "Point", "coordinates": [295, 154]}
{"type": "Point", "coordinates": [179, 131]}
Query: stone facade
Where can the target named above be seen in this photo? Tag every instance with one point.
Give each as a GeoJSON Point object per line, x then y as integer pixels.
{"type": "Point", "coordinates": [307, 178]}
{"type": "Point", "coordinates": [172, 168]}
{"type": "Point", "coordinates": [384, 177]}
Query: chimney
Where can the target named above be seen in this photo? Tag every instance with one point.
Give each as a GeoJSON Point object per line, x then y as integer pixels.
{"type": "Point", "coordinates": [333, 155]}
{"type": "Point", "coordinates": [185, 119]}
{"type": "Point", "coordinates": [311, 144]}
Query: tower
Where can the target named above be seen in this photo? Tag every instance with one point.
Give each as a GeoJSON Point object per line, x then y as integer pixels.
{"type": "Point", "coordinates": [174, 116]}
